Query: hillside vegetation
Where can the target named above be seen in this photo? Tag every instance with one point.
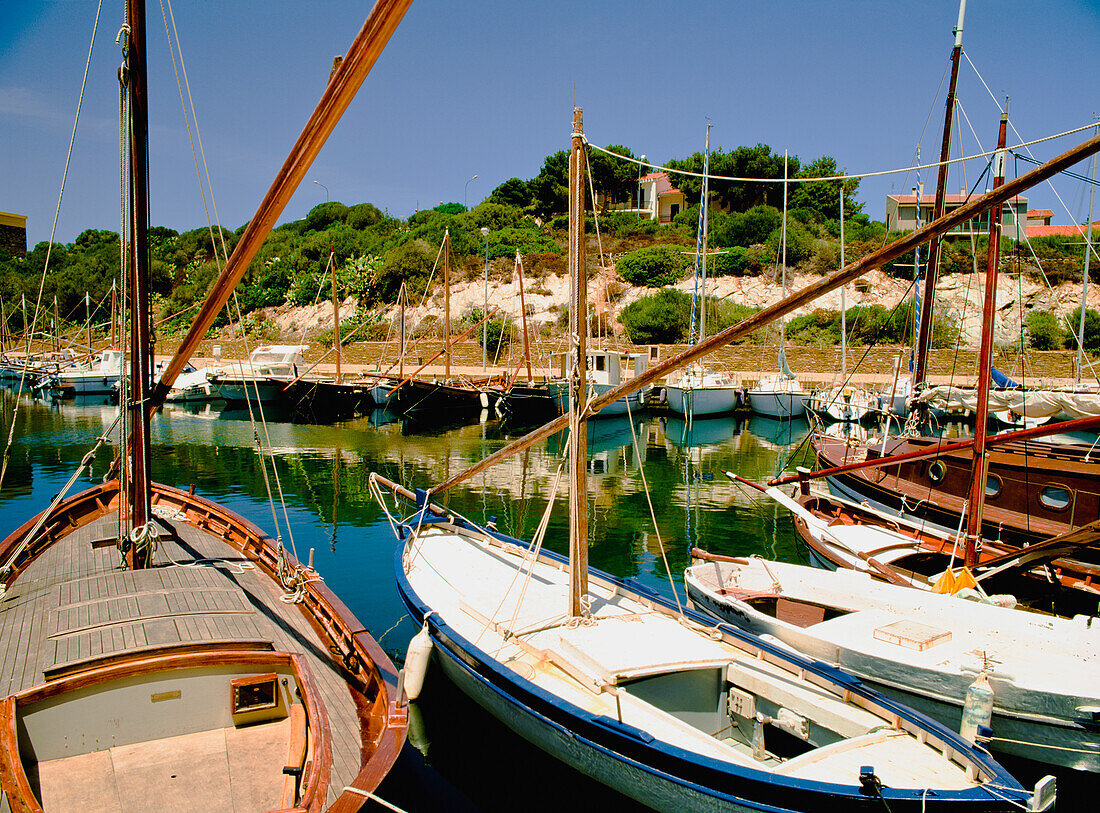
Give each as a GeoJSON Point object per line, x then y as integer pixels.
{"type": "Point", "coordinates": [374, 253]}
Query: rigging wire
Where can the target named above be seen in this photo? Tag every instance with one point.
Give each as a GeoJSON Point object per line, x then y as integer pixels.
{"type": "Point", "coordinates": [845, 177]}
{"type": "Point", "coordinates": [49, 245]}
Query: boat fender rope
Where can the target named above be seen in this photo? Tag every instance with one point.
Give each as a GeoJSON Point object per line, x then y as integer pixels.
{"type": "Point", "coordinates": [374, 798]}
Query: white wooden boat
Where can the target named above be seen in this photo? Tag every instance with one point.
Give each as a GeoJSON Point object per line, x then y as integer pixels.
{"type": "Point", "coordinates": [659, 704]}
{"type": "Point", "coordinates": [925, 649]}
{"type": "Point", "coordinates": [703, 392]}
{"type": "Point", "coordinates": [777, 396]}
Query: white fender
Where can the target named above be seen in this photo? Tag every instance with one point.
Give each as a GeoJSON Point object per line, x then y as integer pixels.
{"type": "Point", "coordinates": [416, 663]}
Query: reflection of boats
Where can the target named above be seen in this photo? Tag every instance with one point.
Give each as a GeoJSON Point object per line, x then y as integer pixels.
{"type": "Point", "coordinates": [708, 431]}
{"type": "Point", "coordinates": [923, 648]}
{"type": "Point", "coordinates": [649, 699]}
{"type": "Point", "coordinates": [212, 670]}
{"type": "Point", "coordinates": [778, 432]}
{"type": "Point", "coordinates": [612, 432]}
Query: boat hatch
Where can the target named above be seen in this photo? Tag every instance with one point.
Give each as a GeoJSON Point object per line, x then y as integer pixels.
{"type": "Point", "coordinates": [179, 726]}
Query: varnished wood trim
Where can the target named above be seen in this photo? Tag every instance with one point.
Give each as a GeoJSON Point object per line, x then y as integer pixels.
{"type": "Point", "coordinates": [12, 775]}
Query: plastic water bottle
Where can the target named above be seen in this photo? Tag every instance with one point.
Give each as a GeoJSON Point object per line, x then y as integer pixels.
{"type": "Point", "coordinates": [977, 708]}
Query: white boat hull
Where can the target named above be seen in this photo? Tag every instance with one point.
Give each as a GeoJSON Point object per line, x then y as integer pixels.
{"type": "Point", "coordinates": [701, 400]}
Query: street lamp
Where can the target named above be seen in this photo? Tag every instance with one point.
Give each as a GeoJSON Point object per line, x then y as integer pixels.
{"type": "Point", "coordinates": [467, 186]}
{"type": "Point", "coordinates": [485, 306]}
{"type": "Point", "coordinates": [323, 187]}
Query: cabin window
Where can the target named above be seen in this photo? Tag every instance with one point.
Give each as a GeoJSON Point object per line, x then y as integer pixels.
{"type": "Point", "coordinates": [1056, 498]}
{"type": "Point", "coordinates": [600, 362]}
{"type": "Point", "coordinates": [992, 485]}
{"type": "Point", "coordinates": [937, 471]}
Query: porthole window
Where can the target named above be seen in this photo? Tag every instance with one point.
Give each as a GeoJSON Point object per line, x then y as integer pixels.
{"type": "Point", "coordinates": [992, 485]}
{"type": "Point", "coordinates": [1056, 498]}
{"type": "Point", "coordinates": [937, 471]}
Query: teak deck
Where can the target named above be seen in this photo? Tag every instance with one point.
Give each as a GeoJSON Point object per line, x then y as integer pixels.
{"type": "Point", "coordinates": [74, 606]}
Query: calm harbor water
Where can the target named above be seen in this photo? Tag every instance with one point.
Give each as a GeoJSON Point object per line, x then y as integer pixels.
{"type": "Point", "coordinates": [459, 758]}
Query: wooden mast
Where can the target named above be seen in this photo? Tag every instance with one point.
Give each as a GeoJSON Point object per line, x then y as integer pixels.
{"type": "Point", "coordinates": [447, 305]}
{"type": "Point", "coordinates": [523, 313]}
{"type": "Point", "coordinates": [578, 389]}
{"type": "Point", "coordinates": [924, 334]}
{"type": "Point", "coordinates": [976, 503]}
{"type": "Point", "coordinates": [137, 556]}
{"type": "Point", "coordinates": [793, 301]}
{"type": "Point", "coordinates": [343, 84]}
{"type": "Point", "coordinates": [335, 314]}
{"type": "Point", "coordinates": [402, 298]}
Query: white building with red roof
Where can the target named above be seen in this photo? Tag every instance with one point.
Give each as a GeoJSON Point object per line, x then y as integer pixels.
{"type": "Point", "coordinates": [902, 215]}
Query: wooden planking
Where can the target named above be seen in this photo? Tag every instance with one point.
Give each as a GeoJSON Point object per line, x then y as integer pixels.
{"type": "Point", "coordinates": [76, 584]}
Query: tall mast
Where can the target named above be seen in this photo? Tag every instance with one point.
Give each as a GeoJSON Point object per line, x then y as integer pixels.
{"type": "Point", "coordinates": [924, 334]}
{"type": "Point", "coordinates": [137, 557]}
{"type": "Point", "coordinates": [843, 300]}
{"type": "Point", "coordinates": [701, 254]}
{"type": "Point", "coordinates": [88, 316]}
{"type": "Point", "coordinates": [523, 312]}
{"type": "Point", "coordinates": [985, 360]}
{"type": "Point", "coordinates": [578, 431]}
{"type": "Point", "coordinates": [1085, 277]}
{"type": "Point", "coordinates": [447, 304]}
{"type": "Point", "coordinates": [402, 297]}
{"type": "Point", "coordinates": [335, 314]}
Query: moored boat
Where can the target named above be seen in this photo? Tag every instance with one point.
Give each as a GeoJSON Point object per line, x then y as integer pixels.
{"type": "Point", "coordinates": [925, 649]}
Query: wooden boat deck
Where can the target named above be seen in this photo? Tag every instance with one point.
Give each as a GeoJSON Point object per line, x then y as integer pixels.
{"type": "Point", "coordinates": [74, 606]}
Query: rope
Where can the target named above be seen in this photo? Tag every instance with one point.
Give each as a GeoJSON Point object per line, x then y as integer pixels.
{"type": "Point", "coordinates": [937, 164]}
{"type": "Point", "coordinates": [367, 794]}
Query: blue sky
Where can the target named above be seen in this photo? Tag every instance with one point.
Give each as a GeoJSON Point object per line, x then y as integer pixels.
{"type": "Point", "coordinates": [487, 87]}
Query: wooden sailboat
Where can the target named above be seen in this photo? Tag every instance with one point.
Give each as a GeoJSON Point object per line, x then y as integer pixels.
{"type": "Point", "coordinates": [649, 698]}
{"type": "Point", "coordinates": [924, 649]}
{"type": "Point", "coordinates": [698, 391]}
{"type": "Point", "coordinates": [780, 395]}
{"type": "Point", "coordinates": [211, 671]}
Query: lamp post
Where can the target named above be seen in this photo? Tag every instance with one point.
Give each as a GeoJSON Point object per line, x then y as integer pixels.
{"type": "Point", "coordinates": [485, 307]}
{"type": "Point", "coordinates": [325, 188]}
{"type": "Point", "coordinates": [467, 186]}
{"type": "Point", "coordinates": [641, 169]}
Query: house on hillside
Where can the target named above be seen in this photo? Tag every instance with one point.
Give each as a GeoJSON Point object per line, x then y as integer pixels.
{"type": "Point", "coordinates": [656, 199]}
{"type": "Point", "coordinates": [1047, 230]}
{"type": "Point", "coordinates": [901, 215]}
{"type": "Point", "coordinates": [13, 234]}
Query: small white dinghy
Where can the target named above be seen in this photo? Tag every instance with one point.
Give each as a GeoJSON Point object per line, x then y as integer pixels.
{"type": "Point", "coordinates": [925, 649]}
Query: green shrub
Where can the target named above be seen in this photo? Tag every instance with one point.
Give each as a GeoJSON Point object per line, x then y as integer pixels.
{"type": "Point", "coordinates": [734, 261]}
{"type": "Point", "coordinates": [1092, 329]}
{"type": "Point", "coordinates": [660, 318]}
{"type": "Point", "coordinates": [1044, 332]}
{"type": "Point", "coordinates": [654, 266]}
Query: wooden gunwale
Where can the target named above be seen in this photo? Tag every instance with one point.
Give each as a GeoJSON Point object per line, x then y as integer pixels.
{"type": "Point", "coordinates": [371, 676]}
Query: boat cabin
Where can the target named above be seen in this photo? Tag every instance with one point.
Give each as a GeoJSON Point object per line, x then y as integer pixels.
{"type": "Point", "coordinates": [604, 366]}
